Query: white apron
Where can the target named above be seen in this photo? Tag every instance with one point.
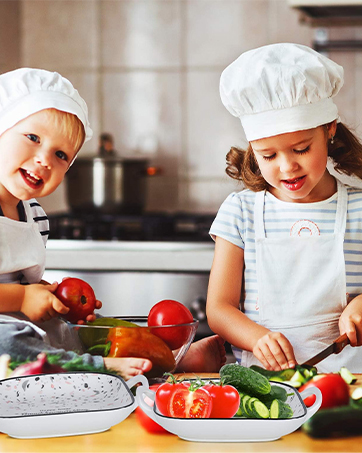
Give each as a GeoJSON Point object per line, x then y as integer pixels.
{"type": "Point", "coordinates": [302, 289]}
{"type": "Point", "coordinates": [22, 250]}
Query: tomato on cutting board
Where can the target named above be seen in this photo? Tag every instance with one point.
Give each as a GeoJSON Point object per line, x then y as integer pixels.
{"type": "Point", "coordinates": [225, 400]}
{"type": "Point", "coordinates": [168, 313]}
{"type": "Point", "coordinates": [335, 391]}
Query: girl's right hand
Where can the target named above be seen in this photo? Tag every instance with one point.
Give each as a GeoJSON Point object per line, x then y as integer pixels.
{"type": "Point", "coordinates": [40, 304]}
{"type": "Point", "coordinates": [275, 352]}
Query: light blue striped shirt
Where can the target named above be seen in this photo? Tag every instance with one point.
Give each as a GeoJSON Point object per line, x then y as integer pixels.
{"type": "Point", "coordinates": [235, 223]}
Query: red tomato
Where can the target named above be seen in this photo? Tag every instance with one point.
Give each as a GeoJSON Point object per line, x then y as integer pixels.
{"type": "Point", "coordinates": [335, 391]}
{"type": "Point", "coordinates": [225, 400]}
{"type": "Point", "coordinates": [79, 296]}
{"type": "Point", "coordinates": [185, 403]}
{"type": "Point", "coordinates": [164, 393]}
{"type": "Point", "coordinates": [146, 422]}
{"type": "Point", "coordinates": [170, 312]}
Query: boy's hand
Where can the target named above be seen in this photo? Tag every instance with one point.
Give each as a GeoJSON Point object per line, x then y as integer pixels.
{"type": "Point", "coordinates": [275, 352]}
{"type": "Point", "coordinates": [350, 321]}
{"type": "Point", "coordinates": [40, 304]}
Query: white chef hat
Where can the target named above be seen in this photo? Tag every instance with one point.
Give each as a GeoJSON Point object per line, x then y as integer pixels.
{"type": "Point", "coordinates": [281, 88]}
{"type": "Point", "coordinates": [26, 91]}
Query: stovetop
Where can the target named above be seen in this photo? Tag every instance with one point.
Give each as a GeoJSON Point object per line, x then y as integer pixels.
{"type": "Point", "coordinates": [152, 226]}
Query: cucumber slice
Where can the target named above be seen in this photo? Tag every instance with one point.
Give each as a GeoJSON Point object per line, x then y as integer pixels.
{"type": "Point", "coordinates": [259, 409]}
{"type": "Point", "coordinates": [278, 409]}
{"type": "Point", "coordinates": [357, 394]}
{"type": "Point", "coordinates": [297, 377]}
{"type": "Point", "coordinates": [249, 407]}
{"type": "Point", "coordinates": [243, 404]}
{"type": "Point", "coordinates": [347, 375]}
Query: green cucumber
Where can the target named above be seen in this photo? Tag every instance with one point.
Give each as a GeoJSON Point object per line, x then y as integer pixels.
{"type": "Point", "coordinates": [339, 421]}
{"type": "Point", "coordinates": [259, 409]}
{"type": "Point", "coordinates": [278, 376]}
{"type": "Point", "coordinates": [276, 393]}
{"type": "Point", "coordinates": [279, 409]}
{"type": "Point", "coordinates": [245, 379]}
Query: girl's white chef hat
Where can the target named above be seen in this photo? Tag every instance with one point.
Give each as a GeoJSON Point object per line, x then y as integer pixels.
{"type": "Point", "coordinates": [26, 91]}
{"type": "Point", "coordinates": [281, 88]}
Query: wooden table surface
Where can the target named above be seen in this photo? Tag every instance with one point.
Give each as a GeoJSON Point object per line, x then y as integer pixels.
{"type": "Point", "coordinates": [129, 436]}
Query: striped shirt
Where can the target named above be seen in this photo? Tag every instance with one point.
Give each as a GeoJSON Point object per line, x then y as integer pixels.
{"type": "Point", "coordinates": [40, 218]}
{"type": "Point", "coordinates": [235, 223]}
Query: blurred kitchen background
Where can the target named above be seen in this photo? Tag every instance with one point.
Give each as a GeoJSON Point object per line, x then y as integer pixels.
{"type": "Point", "coordinates": [149, 71]}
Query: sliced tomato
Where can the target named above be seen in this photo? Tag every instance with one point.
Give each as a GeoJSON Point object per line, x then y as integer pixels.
{"type": "Point", "coordinates": [185, 403]}
{"type": "Point", "coordinates": [225, 400]}
{"type": "Point", "coordinates": [164, 393]}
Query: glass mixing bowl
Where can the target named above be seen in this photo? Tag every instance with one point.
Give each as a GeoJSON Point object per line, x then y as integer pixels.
{"type": "Point", "coordinates": [165, 346]}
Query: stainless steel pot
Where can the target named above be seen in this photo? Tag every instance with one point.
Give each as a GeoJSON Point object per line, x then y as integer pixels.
{"type": "Point", "coordinates": [107, 185]}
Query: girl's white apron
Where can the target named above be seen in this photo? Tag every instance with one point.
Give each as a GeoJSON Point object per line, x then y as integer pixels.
{"type": "Point", "coordinates": [302, 289]}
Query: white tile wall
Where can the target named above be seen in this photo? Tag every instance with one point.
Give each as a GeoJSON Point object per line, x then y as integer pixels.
{"type": "Point", "coordinates": [149, 70]}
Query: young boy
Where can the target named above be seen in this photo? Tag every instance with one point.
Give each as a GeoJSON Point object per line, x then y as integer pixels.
{"type": "Point", "coordinates": [43, 125]}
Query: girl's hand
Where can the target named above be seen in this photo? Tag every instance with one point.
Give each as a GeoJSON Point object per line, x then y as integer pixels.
{"type": "Point", "coordinates": [40, 304]}
{"type": "Point", "coordinates": [350, 321]}
{"type": "Point", "coordinates": [92, 316]}
{"type": "Point", "coordinates": [275, 352]}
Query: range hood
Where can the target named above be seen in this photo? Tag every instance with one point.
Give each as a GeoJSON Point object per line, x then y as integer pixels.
{"type": "Point", "coordinates": [329, 11]}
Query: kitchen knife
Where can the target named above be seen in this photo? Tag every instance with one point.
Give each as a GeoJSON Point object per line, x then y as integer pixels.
{"type": "Point", "coordinates": [334, 348]}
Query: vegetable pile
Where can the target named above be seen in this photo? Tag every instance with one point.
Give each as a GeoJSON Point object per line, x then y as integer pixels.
{"type": "Point", "coordinates": [258, 397]}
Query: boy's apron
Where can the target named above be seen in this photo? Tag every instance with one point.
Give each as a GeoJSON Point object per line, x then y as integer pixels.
{"type": "Point", "coordinates": [22, 251]}
{"type": "Point", "coordinates": [22, 254]}
{"type": "Point", "coordinates": [302, 288]}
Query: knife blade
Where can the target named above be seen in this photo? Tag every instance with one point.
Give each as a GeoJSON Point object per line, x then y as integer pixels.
{"type": "Point", "coordinates": [334, 348]}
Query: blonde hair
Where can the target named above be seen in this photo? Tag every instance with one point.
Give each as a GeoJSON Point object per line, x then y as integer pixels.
{"type": "Point", "coordinates": [345, 152]}
{"type": "Point", "coordinates": [69, 125]}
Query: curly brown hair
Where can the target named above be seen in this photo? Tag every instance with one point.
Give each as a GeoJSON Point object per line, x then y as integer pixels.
{"type": "Point", "coordinates": [346, 153]}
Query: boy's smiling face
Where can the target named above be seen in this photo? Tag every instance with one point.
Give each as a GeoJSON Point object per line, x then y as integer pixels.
{"type": "Point", "coordinates": [34, 157]}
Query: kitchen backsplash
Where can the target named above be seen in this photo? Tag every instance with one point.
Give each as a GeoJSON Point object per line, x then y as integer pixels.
{"type": "Point", "coordinates": [149, 71]}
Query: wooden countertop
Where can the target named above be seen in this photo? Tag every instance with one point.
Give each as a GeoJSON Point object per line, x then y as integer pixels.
{"type": "Point", "coordinates": [129, 436]}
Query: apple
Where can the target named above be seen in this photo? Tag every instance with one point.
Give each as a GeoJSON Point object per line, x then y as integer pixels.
{"type": "Point", "coordinates": [79, 296]}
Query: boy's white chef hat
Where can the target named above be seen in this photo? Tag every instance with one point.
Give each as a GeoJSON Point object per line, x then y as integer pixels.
{"type": "Point", "coordinates": [281, 88]}
{"type": "Point", "coordinates": [26, 91]}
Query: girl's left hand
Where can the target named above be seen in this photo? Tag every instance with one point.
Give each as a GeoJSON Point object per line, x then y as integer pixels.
{"type": "Point", "coordinates": [92, 316]}
{"type": "Point", "coordinates": [350, 321]}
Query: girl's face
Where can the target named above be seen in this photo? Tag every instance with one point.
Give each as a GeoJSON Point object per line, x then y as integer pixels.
{"type": "Point", "coordinates": [34, 157]}
{"type": "Point", "coordinates": [294, 164]}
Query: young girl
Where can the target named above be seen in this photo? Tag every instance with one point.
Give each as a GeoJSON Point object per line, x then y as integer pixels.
{"type": "Point", "coordinates": [286, 279]}
{"type": "Point", "coordinates": [43, 125]}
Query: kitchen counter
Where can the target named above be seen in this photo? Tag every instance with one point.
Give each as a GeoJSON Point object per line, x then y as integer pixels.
{"type": "Point", "coordinates": [129, 436]}
{"type": "Point", "coordinates": [128, 255]}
